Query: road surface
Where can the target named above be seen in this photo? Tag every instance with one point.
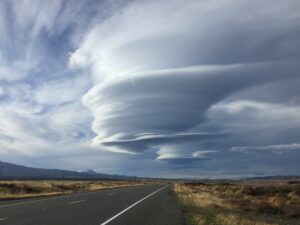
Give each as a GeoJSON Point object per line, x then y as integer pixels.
{"type": "Point", "coordinates": [140, 205]}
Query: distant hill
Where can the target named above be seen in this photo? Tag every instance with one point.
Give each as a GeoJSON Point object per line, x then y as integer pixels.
{"type": "Point", "coordinates": [278, 177]}
{"type": "Point", "coordinates": [13, 171]}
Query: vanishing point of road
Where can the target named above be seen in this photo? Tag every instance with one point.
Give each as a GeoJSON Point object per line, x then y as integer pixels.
{"type": "Point", "coordinates": [138, 205]}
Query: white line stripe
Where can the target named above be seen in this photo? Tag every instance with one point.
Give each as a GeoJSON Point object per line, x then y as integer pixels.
{"type": "Point", "coordinates": [120, 213]}
{"type": "Point", "coordinates": [59, 197]}
{"type": "Point", "coordinates": [2, 219]}
{"type": "Point", "coordinates": [53, 198]}
{"type": "Point", "coordinates": [83, 200]}
{"type": "Point", "coordinates": [111, 194]}
{"type": "Point", "coordinates": [32, 201]}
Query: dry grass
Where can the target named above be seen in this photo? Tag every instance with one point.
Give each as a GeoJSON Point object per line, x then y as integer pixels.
{"type": "Point", "coordinates": [252, 203]}
{"type": "Point", "coordinates": [27, 189]}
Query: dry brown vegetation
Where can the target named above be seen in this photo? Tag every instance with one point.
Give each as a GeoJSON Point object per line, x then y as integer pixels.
{"type": "Point", "coordinates": [26, 189]}
{"type": "Point", "coordinates": [244, 203]}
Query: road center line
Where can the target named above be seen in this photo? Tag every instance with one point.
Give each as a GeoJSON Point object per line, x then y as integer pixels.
{"type": "Point", "coordinates": [134, 204]}
{"type": "Point", "coordinates": [2, 219]}
{"type": "Point", "coordinates": [79, 201]}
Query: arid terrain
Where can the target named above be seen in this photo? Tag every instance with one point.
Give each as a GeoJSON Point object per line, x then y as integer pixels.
{"type": "Point", "coordinates": [27, 189]}
{"type": "Point", "coordinates": [240, 203]}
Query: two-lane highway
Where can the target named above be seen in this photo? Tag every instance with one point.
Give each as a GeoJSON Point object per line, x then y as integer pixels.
{"type": "Point", "coordinates": [140, 205]}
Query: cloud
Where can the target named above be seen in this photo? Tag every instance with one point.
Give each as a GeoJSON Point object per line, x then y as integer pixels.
{"type": "Point", "coordinates": [168, 101]}
{"type": "Point", "coordinates": [40, 109]}
{"type": "Point", "coordinates": [146, 141]}
{"type": "Point", "coordinates": [2, 91]}
{"type": "Point", "coordinates": [256, 123]}
{"type": "Point", "coordinates": [163, 74]}
{"type": "Point", "coordinates": [167, 153]}
{"type": "Point", "coordinates": [61, 91]}
{"type": "Point", "coordinates": [36, 34]}
{"type": "Point", "coordinates": [156, 35]}
{"type": "Point", "coordinates": [78, 61]}
{"type": "Point", "coordinates": [274, 148]}
{"type": "Point", "coordinates": [247, 114]}
{"type": "Point", "coordinates": [177, 159]}
{"type": "Point", "coordinates": [203, 154]}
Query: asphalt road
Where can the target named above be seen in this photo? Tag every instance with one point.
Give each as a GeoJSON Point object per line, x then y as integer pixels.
{"type": "Point", "coordinates": [140, 205]}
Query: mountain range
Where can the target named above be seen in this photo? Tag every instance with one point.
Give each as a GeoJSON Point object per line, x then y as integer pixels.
{"type": "Point", "coordinates": [9, 171]}
{"type": "Point", "coordinates": [13, 171]}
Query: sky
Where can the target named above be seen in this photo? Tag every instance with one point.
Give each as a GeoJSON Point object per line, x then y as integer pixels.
{"type": "Point", "coordinates": [181, 88]}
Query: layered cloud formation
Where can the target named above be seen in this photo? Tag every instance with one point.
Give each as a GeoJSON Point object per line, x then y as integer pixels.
{"type": "Point", "coordinates": [177, 78]}
{"type": "Point", "coordinates": [193, 88]}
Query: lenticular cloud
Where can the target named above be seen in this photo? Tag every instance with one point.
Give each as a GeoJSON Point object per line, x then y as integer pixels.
{"type": "Point", "coordinates": [160, 70]}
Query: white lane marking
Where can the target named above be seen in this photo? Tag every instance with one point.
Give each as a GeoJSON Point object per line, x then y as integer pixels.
{"type": "Point", "coordinates": [52, 198]}
{"type": "Point", "coordinates": [134, 204]}
{"type": "Point", "coordinates": [79, 201]}
{"type": "Point", "coordinates": [2, 219]}
{"type": "Point", "coordinates": [39, 200]}
{"type": "Point", "coordinates": [112, 194]}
